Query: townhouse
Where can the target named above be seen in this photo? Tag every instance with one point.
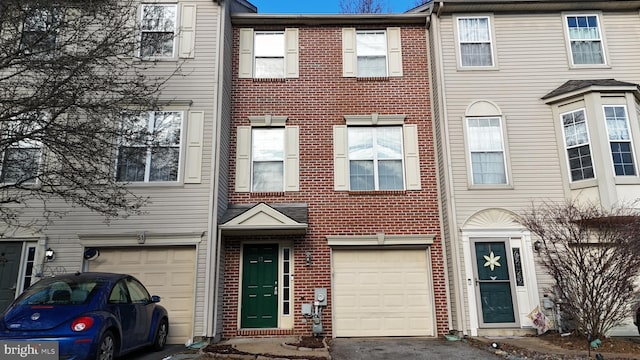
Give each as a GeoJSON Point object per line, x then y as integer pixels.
{"type": "Point", "coordinates": [332, 226]}
{"type": "Point", "coordinates": [170, 246]}
{"type": "Point", "coordinates": [532, 100]}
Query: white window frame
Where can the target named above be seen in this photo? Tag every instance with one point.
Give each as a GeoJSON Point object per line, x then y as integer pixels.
{"type": "Point", "coordinates": [460, 41]}
{"type": "Point", "coordinates": [376, 160]}
{"type": "Point", "coordinates": [570, 41]}
{"type": "Point", "coordinates": [24, 144]}
{"type": "Point", "coordinates": [256, 56]}
{"type": "Point", "coordinates": [148, 145]}
{"type": "Point", "coordinates": [567, 147]}
{"type": "Point", "coordinates": [143, 31]}
{"type": "Point", "coordinates": [501, 149]}
{"type": "Point", "coordinates": [255, 142]}
{"type": "Point", "coordinates": [48, 22]}
{"type": "Point", "coordinates": [360, 54]}
{"type": "Point", "coordinates": [629, 140]}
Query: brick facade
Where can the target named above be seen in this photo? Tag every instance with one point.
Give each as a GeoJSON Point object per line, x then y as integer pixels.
{"type": "Point", "coordinates": [316, 101]}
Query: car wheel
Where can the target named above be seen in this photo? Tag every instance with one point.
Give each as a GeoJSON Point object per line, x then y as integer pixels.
{"type": "Point", "coordinates": [161, 335]}
{"type": "Point", "coordinates": [106, 347]}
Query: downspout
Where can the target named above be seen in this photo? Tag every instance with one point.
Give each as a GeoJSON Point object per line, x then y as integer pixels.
{"type": "Point", "coordinates": [210, 312]}
{"type": "Point", "coordinates": [455, 258]}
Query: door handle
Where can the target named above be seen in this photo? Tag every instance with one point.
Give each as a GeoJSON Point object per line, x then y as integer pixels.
{"type": "Point", "coordinates": [275, 289]}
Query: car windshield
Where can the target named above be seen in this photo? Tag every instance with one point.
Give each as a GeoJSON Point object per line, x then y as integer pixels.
{"type": "Point", "coordinates": [62, 291]}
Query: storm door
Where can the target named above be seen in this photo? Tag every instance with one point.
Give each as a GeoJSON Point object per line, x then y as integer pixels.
{"type": "Point", "coordinates": [494, 287]}
{"type": "Point", "coordinates": [259, 286]}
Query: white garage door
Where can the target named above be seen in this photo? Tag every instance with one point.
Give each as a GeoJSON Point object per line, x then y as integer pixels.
{"type": "Point", "coordinates": [165, 271]}
{"type": "Point", "coordinates": [381, 293]}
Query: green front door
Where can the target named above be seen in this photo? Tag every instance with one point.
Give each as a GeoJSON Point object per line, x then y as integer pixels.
{"type": "Point", "coordinates": [493, 283]}
{"type": "Point", "coordinates": [10, 253]}
{"type": "Point", "coordinates": [260, 286]}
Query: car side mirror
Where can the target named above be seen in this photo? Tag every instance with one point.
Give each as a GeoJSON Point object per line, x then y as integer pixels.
{"type": "Point", "coordinates": [155, 299]}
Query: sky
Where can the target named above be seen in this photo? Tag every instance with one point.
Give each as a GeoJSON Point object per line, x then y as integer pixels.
{"type": "Point", "coordinates": [320, 6]}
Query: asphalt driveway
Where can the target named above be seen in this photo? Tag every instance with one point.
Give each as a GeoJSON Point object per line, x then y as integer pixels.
{"type": "Point", "coordinates": [405, 349]}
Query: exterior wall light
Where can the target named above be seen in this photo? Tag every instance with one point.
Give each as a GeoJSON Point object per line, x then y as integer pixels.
{"type": "Point", "coordinates": [49, 254]}
{"type": "Point", "coordinates": [308, 258]}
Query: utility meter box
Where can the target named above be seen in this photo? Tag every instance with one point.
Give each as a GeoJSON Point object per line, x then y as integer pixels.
{"type": "Point", "coordinates": [307, 310]}
{"type": "Point", "coordinates": [321, 296]}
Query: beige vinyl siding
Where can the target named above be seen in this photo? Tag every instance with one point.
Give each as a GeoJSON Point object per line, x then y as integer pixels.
{"type": "Point", "coordinates": [181, 208]}
{"type": "Point", "coordinates": [533, 61]}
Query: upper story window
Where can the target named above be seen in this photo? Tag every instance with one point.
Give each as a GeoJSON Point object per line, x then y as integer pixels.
{"type": "Point", "coordinates": [21, 159]}
{"type": "Point", "coordinates": [486, 147]}
{"type": "Point", "coordinates": [619, 140]}
{"type": "Point", "coordinates": [371, 53]}
{"type": "Point", "coordinates": [375, 158]}
{"type": "Point", "coordinates": [155, 154]}
{"type": "Point", "coordinates": [158, 31]}
{"type": "Point", "coordinates": [585, 39]}
{"type": "Point", "coordinates": [376, 152]}
{"type": "Point", "coordinates": [267, 156]}
{"type": "Point", "coordinates": [40, 29]}
{"type": "Point", "coordinates": [268, 54]}
{"type": "Point", "coordinates": [576, 139]}
{"type": "Point", "coordinates": [474, 39]}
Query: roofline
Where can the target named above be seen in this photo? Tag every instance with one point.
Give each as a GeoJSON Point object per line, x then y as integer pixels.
{"type": "Point", "coordinates": [452, 6]}
{"type": "Point", "coordinates": [328, 19]}
{"type": "Point", "coordinates": [592, 88]}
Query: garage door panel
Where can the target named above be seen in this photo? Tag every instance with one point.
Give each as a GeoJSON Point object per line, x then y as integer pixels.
{"type": "Point", "coordinates": [166, 272]}
{"type": "Point", "coordinates": [382, 293]}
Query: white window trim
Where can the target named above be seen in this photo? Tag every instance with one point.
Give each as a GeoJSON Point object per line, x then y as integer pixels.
{"type": "Point", "coordinates": [589, 143]}
{"type": "Point", "coordinates": [246, 61]}
{"type": "Point", "coordinates": [411, 156]}
{"type": "Point", "coordinates": [393, 56]}
{"type": "Point", "coordinates": [630, 141]}
{"type": "Point", "coordinates": [181, 153]}
{"type": "Point", "coordinates": [603, 44]}
{"type": "Point", "coordinates": [456, 30]}
{"type": "Point", "coordinates": [244, 160]}
{"type": "Point", "coordinates": [376, 161]}
{"type": "Point", "coordinates": [386, 50]}
{"type": "Point", "coordinates": [472, 184]}
{"type": "Point", "coordinates": [184, 33]}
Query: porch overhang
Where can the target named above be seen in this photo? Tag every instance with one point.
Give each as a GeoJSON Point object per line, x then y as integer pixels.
{"type": "Point", "coordinates": [263, 219]}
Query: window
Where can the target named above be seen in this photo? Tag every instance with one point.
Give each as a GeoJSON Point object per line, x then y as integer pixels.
{"type": "Point", "coordinates": [267, 154]}
{"type": "Point", "coordinates": [619, 140]}
{"type": "Point", "coordinates": [576, 140]}
{"type": "Point", "coordinates": [269, 54]}
{"type": "Point", "coordinates": [155, 154]}
{"type": "Point", "coordinates": [585, 39]}
{"type": "Point", "coordinates": [474, 37]}
{"type": "Point", "coordinates": [286, 281]}
{"type": "Point", "coordinates": [371, 51]}
{"type": "Point", "coordinates": [487, 151]}
{"type": "Point", "coordinates": [375, 158]}
{"type": "Point", "coordinates": [21, 159]}
{"type": "Point", "coordinates": [158, 29]}
{"type": "Point", "coordinates": [40, 30]}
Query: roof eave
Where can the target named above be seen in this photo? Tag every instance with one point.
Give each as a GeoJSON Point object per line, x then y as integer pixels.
{"type": "Point", "coordinates": [247, 19]}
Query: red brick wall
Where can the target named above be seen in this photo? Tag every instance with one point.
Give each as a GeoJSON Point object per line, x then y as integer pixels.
{"type": "Point", "coordinates": [317, 101]}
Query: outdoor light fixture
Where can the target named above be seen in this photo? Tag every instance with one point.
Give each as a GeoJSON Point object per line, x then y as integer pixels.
{"type": "Point", "coordinates": [308, 258]}
{"type": "Point", "coordinates": [536, 246]}
{"type": "Point", "coordinates": [91, 253]}
{"type": "Point", "coordinates": [49, 254]}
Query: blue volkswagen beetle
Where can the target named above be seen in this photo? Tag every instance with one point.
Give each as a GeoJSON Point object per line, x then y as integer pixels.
{"type": "Point", "coordinates": [90, 316]}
